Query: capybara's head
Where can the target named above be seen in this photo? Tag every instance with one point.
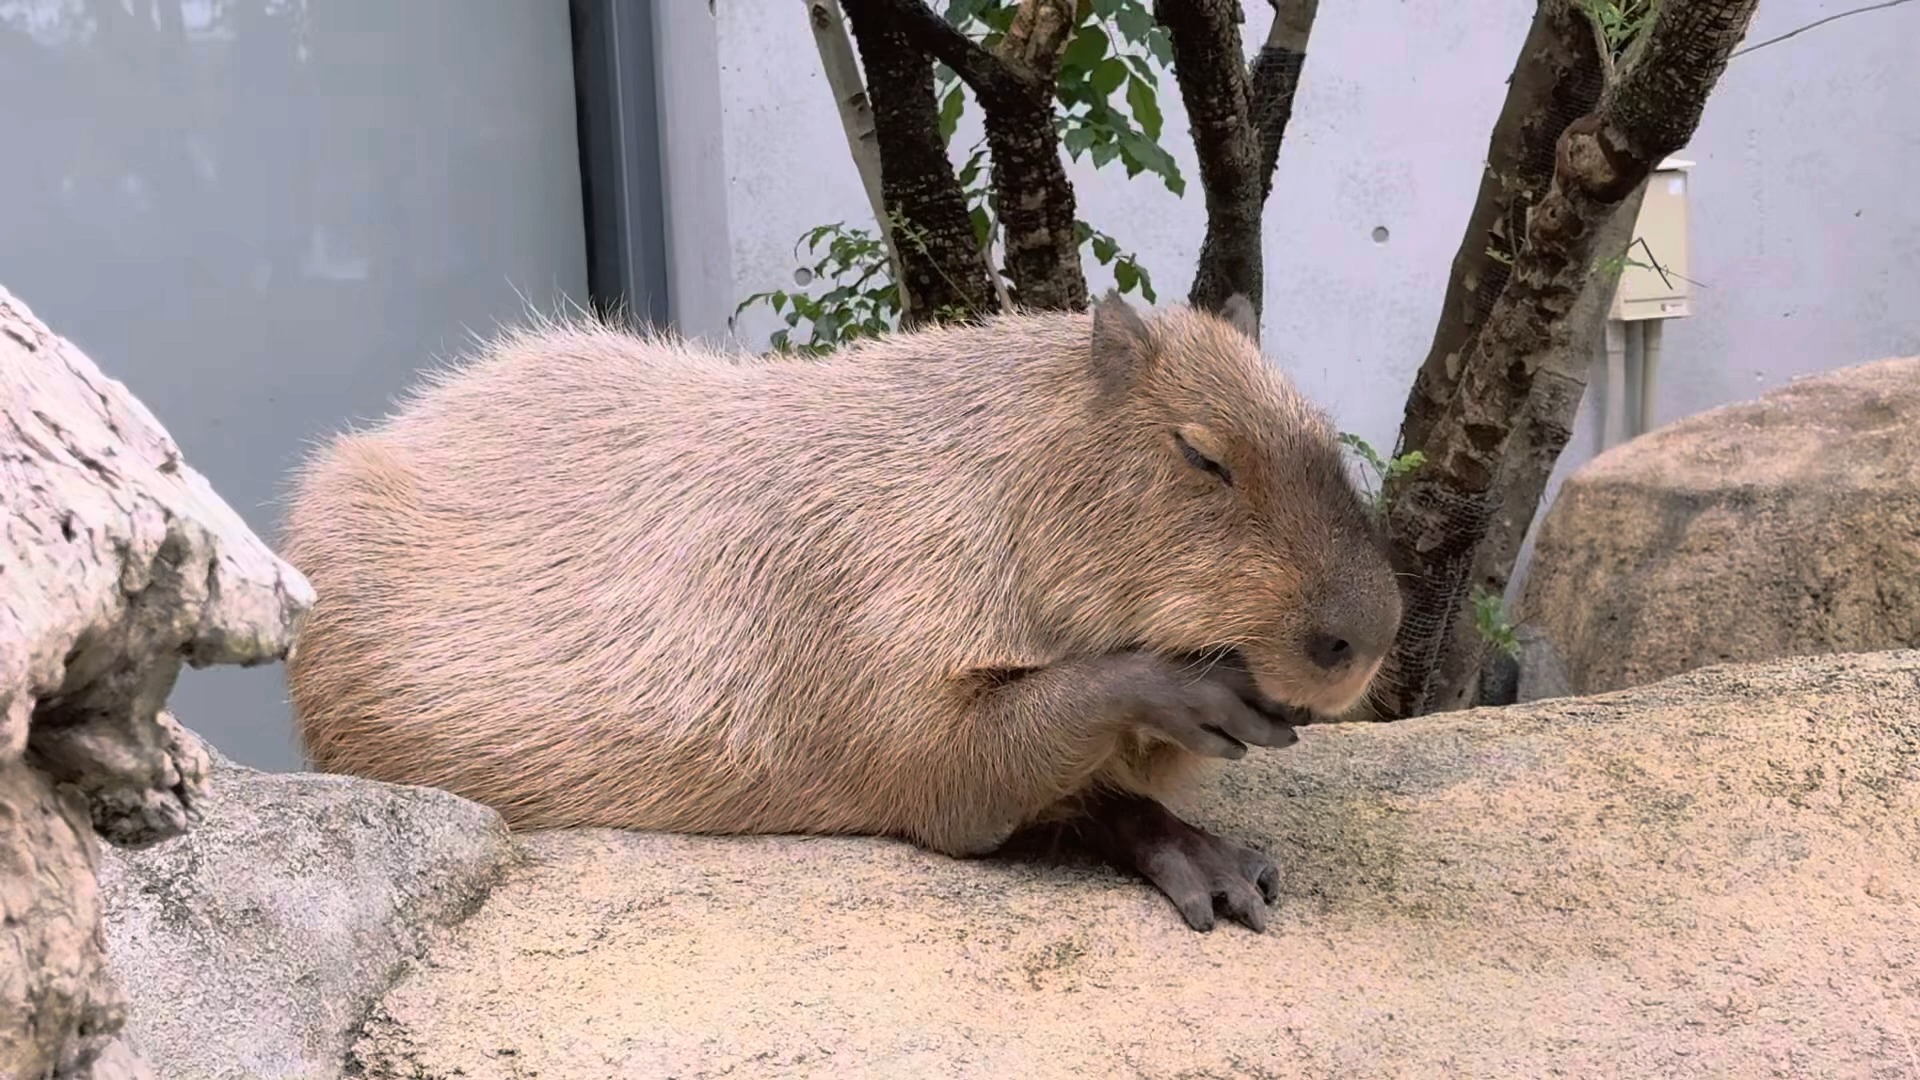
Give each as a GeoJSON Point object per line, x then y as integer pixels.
{"type": "Point", "coordinates": [1263, 545]}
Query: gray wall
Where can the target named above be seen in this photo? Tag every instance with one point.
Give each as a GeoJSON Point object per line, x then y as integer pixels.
{"type": "Point", "coordinates": [265, 215]}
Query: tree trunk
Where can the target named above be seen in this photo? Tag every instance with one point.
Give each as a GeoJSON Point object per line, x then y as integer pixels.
{"type": "Point", "coordinates": [1443, 515]}
{"type": "Point", "coordinates": [1558, 79]}
{"type": "Point", "coordinates": [856, 121]}
{"type": "Point", "coordinates": [941, 265]}
{"type": "Point", "coordinates": [1238, 120]}
{"type": "Point", "coordinates": [1015, 89]}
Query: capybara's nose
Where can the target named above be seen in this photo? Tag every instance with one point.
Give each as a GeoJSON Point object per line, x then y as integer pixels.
{"type": "Point", "coordinates": [1329, 651]}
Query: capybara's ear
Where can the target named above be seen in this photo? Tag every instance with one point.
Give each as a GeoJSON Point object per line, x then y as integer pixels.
{"type": "Point", "coordinates": [1122, 346]}
{"type": "Point", "coordinates": [1239, 314]}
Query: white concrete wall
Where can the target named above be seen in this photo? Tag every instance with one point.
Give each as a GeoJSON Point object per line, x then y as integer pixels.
{"type": "Point", "coordinates": [1806, 239]}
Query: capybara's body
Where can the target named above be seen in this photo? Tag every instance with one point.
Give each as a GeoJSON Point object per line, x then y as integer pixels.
{"type": "Point", "coordinates": [590, 578]}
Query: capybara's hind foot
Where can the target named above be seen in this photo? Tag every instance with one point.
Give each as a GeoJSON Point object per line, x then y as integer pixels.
{"type": "Point", "coordinates": [1195, 869]}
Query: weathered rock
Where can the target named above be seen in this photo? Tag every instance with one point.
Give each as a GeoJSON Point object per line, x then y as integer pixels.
{"type": "Point", "coordinates": [117, 564]}
{"type": "Point", "coordinates": [1787, 525]}
{"type": "Point", "coordinates": [1715, 875]}
{"type": "Point", "coordinates": [254, 945]}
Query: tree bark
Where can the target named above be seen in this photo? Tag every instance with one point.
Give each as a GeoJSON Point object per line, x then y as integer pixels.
{"type": "Point", "coordinates": [1238, 119]}
{"type": "Point", "coordinates": [1558, 79]}
{"type": "Point", "coordinates": [856, 121]}
{"type": "Point", "coordinates": [1276, 76]}
{"type": "Point", "coordinates": [941, 265]}
{"type": "Point", "coordinates": [117, 565]}
{"type": "Point", "coordinates": [1442, 515]}
{"type": "Point", "coordinates": [1015, 89]}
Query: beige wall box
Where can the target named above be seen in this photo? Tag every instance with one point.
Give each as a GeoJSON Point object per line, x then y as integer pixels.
{"type": "Point", "coordinates": [1659, 240]}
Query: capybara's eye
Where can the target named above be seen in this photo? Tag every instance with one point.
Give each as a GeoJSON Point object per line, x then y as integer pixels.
{"type": "Point", "coordinates": [1201, 461]}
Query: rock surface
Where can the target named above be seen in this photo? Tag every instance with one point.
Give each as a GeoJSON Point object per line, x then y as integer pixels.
{"type": "Point", "coordinates": [117, 564]}
{"type": "Point", "coordinates": [253, 946]}
{"type": "Point", "coordinates": [1717, 875]}
{"type": "Point", "coordinates": [1787, 525]}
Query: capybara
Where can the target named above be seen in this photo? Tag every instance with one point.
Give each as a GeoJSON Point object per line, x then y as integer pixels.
{"type": "Point", "coordinates": [937, 586]}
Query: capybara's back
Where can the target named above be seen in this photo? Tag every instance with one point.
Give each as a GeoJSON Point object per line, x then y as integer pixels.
{"type": "Point", "coordinates": [594, 578]}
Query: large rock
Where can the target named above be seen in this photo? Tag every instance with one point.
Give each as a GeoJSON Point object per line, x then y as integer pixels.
{"type": "Point", "coordinates": [1716, 875]}
{"type": "Point", "coordinates": [118, 563]}
{"type": "Point", "coordinates": [253, 946]}
{"type": "Point", "coordinates": [1787, 525]}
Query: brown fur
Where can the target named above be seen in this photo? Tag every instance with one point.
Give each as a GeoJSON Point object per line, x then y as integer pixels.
{"type": "Point", "coordinates": [595, 579]}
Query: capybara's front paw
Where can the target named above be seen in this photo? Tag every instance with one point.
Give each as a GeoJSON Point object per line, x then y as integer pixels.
{"type": "Point", "coordinates": [1199, 706]}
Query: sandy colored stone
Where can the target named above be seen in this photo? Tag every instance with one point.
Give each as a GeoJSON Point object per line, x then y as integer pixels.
{"type": "Point", "coordinates": [1718, 875]}
{"type": "Point", "coordinates": [1786, 525]}
{"type": "Point", "coordinates": [253, 946]}
{"type": "Point", "coordinates": [118, 563]}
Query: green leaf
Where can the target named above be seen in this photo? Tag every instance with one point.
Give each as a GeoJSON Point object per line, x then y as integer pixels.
{"type": "Point", "coordinates": [1104, 249]}
{"type": "Point", "coordinates": [960, 12]}
{"type": "Point", "coordinates": [1145, 103]}
{"type": "Point", "coordinates": [1161, 46]}
{"type": "Point", "coordinates": [1086, 51]}
{"type": "Point", "coordinates": [950, 109]}
{"type": "Point", "coordinates": [970, 171]}
{"type": "Point", "coordinates": [1107, 77]}
{"type": "Point", "coordinates": [1126, 276]}
{"type": "Point", "coordinates": [982, 225]}
{"type": "Point", "coordinates": [1135, 22]}
{"type": "Point", "coordinates": [1077, 140]}
{"type": "Point", "coordinates": [1104, 152]}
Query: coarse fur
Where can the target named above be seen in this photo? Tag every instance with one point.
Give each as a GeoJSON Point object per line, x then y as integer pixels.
{"type": "Point", "coordinates": [590, 578]}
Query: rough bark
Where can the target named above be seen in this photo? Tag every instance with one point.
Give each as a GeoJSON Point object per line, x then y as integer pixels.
{"type": "Point", "coordinates": [118, 563]}
{"type": "Point", "coordinates": [856, 121]}
{"type": "Point", "coordinates": [941, 265]}
{"type": "Point", "coordinates": [1276, 76]}
{"type": "Point", "coordinates": [1540, 433]}
{"type": "Point", "coordinates": [1441, 515]}
{"type": "Point", "coordinates": [1557, 80]}
{"type": "Point", "coordinates": [1015, 88]}
{"type": "Point", "coordinates": [1238, 118]}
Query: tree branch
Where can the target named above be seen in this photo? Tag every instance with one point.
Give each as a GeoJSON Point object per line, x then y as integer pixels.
{"type": "Point", "coordinates": [1238, 119]}
{"type": "Point", "coordinates": [1037, 206]}
{"type": "Point", "coordinates": [856, 121]}
{"type": "Point", "coordinates": [1214, 87]}
{"type": "Point", "coordinates": [1441, 515]}
{"type": "Point", "coordinates": [992, 80]}
{"type": "Point", "coordinates": [1038, 38]}
{"type": "Point", "coordinates": [1276, 75]}
{"type": "Point", "coordinates": [941, 265]}
{"type": "Point", "coordinates": [1558, 78]}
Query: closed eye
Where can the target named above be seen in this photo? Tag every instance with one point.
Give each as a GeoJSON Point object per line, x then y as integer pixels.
{"type": "Point", "coordinates": [1201, 461]}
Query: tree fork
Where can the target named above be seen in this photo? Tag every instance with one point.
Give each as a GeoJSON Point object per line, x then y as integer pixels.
{"type": "Point", "coordinates": [1558, 78]}
{"type": "Point", "coordinates": [942, 266]}
{"type": "Point", "coordinates": [1015, 88]}
{"type": "Point", "coordinates": [1238, 119]}
{"type": "Point", "coordinates": [1441, 515]}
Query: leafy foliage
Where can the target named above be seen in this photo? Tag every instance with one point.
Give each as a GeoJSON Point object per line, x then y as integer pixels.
{"type": "Point", "coordinates": [1620, 22]}
{"type": "Point", "coordinates": [1116, 46]}
{"type": "Point", "coordinates": [1490, 619]}
{"type": "Point", "coordinates": [1384, 469]}
{"type": "Point", "coordinates": [1117, 51]}
{"type": "Point", "coordinates": [859, 299]}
